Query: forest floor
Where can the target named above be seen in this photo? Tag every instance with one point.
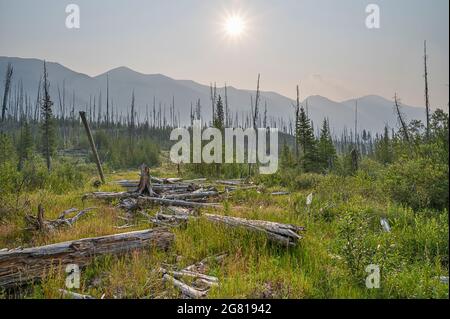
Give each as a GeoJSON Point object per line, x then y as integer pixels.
{"type": "Point", "coordinates": [317, 267]}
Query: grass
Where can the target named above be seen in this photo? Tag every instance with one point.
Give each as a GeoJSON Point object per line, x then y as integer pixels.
{"type": "Point", "coordinates": [324, 265]}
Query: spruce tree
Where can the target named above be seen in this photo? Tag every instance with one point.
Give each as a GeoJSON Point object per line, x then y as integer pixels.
{"type": "Point", "coordinates": [306, 142]}
{"type": "Point", "coordinates": [219, 119]}
{"type": "Point", "coordinates": [47, 120]}
{"type": "Point", "coordinates": [383, 147]}
{"type": "Point", "coordinates": [326, 150]}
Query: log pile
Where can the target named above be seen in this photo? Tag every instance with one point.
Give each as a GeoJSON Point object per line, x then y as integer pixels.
{"type": "Point", "coordinates": [19, 266]}
{"type": "Point", "coordinates": [150, 190]}
{"type": "Point", "coordinates": [182, 198]}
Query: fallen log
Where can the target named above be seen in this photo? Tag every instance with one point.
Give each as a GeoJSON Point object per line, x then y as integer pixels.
{"type": "Point", "coordinates": [39, 223]}
{"type": "Point", "coordinates": [285, 234]}
{"type": "Point", "coordinates": [142, 202]}
{"type": "Point", "coordinates": [193, 195]}
{"type": "Point", "coordinates": [19, 266]}
{"type": "Point", "coordinates": [279, 193]}
{"type": "Point", "coordinates": [208, 281]}
{"type": "Point", "coordinates": [174, 202]}
{"type": "Point", "coordinates": [231, 182]}
{"type": "Point", "coordinates": [185, 289]}
{"type": "Point", "coordinates": [110, 195]}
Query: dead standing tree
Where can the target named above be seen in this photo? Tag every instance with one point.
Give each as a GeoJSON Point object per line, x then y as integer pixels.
{"type": "Point", "coordinates": [427, 98]}
{"type": "Point", "coordinates": [93, 147]}
{"type": "Point", "coordinates": [401, 120]}
{"type": "Point", "coordinates": [9, 73]}
{"type": "Point", "coordinates": [255, 112]}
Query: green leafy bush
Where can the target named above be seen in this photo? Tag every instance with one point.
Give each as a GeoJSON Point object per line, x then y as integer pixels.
{"type": "Point", "coordinates": [418, 183]}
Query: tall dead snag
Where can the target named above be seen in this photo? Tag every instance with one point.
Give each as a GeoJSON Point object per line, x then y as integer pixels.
{"type": "Point", "coordinates": [427, 98]}
{"type": "Point", "coordinates": [255, 114]}
{"type": "Point", "coordinates": [400, 118]}
{"type": "Point", "coordinates": [94, 149]}
{"type": "Point", "coordinates": [19, 266]}
{"type": "Point", "coordinates": [9, 73]}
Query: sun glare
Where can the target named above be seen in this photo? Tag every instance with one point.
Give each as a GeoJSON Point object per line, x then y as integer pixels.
{"type": "Point", "coordinates": [234, 26]}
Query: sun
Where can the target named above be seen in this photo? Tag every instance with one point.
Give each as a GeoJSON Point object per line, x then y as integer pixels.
{"type": "Point", "coordinates": [234, 26]}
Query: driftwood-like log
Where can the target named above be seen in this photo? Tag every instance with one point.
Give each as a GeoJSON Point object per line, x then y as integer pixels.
{"type": "Point", "coordinates": [142, 202]}
{"type": "Point", "coordinates": [279, 193]}
{"type": "Point", "coordinates": [110, 195]}
{"type": "Point", "coordinates": [185, 289]}
{"type": "Point", "coordinates": [39, 223]}
{"type": "Point", "coordinates": [193, 195]}
{"type": "Point", "coordinates": [19, 266]}
{"type": "Point", "coordinates": [285, 234]}
{"type": "Point", "coordinates": [235, 182]}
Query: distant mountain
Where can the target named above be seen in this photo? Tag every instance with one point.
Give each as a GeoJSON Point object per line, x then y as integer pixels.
{"type": "Point", "coordinates": [374, 112]}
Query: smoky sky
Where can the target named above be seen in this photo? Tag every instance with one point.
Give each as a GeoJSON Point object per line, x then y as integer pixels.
{"type": "Point", "coordinates": [323, 45]}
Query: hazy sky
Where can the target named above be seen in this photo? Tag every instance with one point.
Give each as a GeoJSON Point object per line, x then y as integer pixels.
{"type": "Point", "coordinates": [322, 44]}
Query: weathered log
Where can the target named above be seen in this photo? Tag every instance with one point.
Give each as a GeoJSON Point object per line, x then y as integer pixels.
{"type": "Point", "coordinates": [279, 193]}
{"type": "Point", "coordinates": [39, 223]}
{"type": "Point", "coordinates": [142, 202]}
{"type": "Point", "coordinates": [231, 182]}
{"type": "Point", "coordinates": [193, 195]}
{"type": "Point", "coordinates": [285, 234]}
{"type": "Point", "coordinates": [205, 279]}
{"type": "Point", "coordinates": [19, 266]}
{"type": "Point", "coordinates": [110, 195]}
{"type": "Point", "coordinates": [185, 289]}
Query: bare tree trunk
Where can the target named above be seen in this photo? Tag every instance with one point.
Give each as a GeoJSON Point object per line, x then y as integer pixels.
{"type": "Point", "coordinates": [9, 73]}
{"type": "Point", "coordinates": [427, 98]}
{"type": "Point", "coordinates": [94, 149]}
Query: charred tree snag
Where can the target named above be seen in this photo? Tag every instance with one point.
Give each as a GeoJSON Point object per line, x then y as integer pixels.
{"type": "Point", "coordinates": [19, 266]}
{"type": "Point", "coordinates": [94, 149]}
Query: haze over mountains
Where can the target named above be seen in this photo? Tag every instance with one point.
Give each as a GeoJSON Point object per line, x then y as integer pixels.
{"type": "Point", "coordinates": [374, 112]}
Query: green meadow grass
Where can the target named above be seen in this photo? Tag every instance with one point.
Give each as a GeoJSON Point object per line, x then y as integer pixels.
{"type": "Point", "coordinates": [343, 236]}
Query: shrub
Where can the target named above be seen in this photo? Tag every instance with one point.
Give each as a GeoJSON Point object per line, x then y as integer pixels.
{"type": "Point", "coordinates": [418, 183]}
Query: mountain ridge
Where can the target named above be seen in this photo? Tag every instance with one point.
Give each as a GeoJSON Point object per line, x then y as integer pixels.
{"type": "Point", "coordinates": [374, 112]}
